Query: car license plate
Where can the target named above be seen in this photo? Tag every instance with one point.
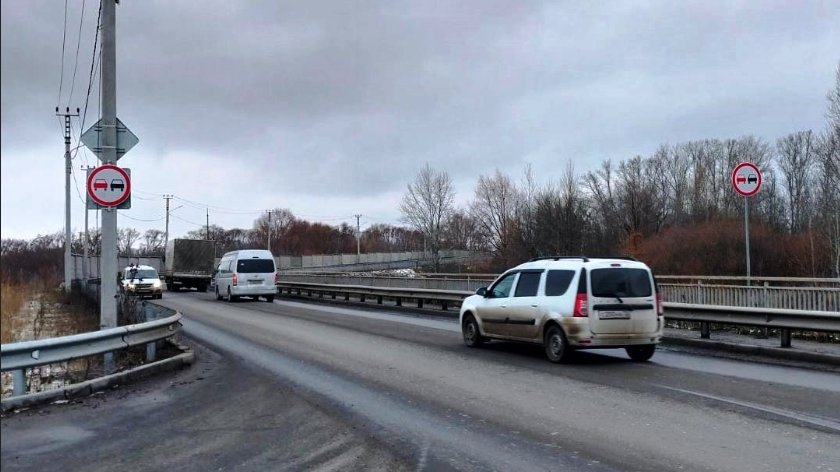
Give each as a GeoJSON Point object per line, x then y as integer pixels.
{"type": "Point", "coordinates": [255, 282]}
{"type": "Point", "coordinates": [614, 315]}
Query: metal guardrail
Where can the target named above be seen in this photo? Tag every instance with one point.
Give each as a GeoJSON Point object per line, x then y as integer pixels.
{"type": "Point", "coordinates": [17, 357]}
{"type": "Point", "coordinates": [420, 295]}
{"type": "Point", "coordinates": [783, 319]}
{"type": "Point", "coordinates": [824, 298]}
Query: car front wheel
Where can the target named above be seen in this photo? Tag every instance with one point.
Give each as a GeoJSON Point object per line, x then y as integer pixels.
{"type": "Point", "coordinates": [641, 353]}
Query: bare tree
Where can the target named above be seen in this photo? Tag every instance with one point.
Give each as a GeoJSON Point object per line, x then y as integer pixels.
{"type": "Point", "coordinates": [795, 154]}
{"type": "Point", "coordinates": [427, 204]}
{"type": "Point", "coordinates": [126, 237]}
{"type": "Point", "coordinates": [494, 211]}
{"type": "Point", "coordinates": [152, 244]}
{"type": "Point", "coordinates": [279, 222]}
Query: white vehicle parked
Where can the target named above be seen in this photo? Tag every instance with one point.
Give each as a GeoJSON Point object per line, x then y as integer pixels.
{"type": "Point", "coordinates": [248, 272]}
{"type": "Point", "coordinates": [568, 303]}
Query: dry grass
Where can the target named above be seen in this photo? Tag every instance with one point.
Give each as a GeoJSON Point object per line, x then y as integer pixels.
{"type": "Point", "coordinates": [52, 314]}
{"type": "Point", "coordinates": [12, 297]}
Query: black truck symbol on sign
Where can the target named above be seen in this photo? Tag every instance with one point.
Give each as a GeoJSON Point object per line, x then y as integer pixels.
{"type": "Point", "coordinates": [117, 184]}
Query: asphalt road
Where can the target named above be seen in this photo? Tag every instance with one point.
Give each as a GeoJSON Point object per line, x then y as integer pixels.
{"type": "Point", "coordinates": [301, 386]}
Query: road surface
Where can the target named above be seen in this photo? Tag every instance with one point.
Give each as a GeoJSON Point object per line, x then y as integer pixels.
{"type": "Point", "coordinates": [299, 386]}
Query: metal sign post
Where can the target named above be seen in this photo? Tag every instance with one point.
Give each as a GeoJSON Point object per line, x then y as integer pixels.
{"type": "Point", "coordinates": [746, 180]}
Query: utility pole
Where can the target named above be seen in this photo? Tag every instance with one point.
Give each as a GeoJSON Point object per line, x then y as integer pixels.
{"type": "Point", "coordinates": [68, 238]}
{"type": "Point", "coordinates": [109, 273]}
{"type": "Point", "coordinates": [86, 263]}
{"type": "Point", "coordinates": [358, 239]}
{"type": "Point", "coordinates": [166, 233]}
{"type": "Point", "coordinates": [207, 226]}
{"type": "Point", "coordinates": [269, 230]}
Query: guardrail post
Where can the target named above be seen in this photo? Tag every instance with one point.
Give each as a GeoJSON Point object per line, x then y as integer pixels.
{"type": "Point", "coordinates": [785, 337]}
{"type": "Point", "coordinates": [399, 301]}
{"type": "Point", "coordinates": [151, 351]}
{"type": "Point", "coordinates": [379, 299]}
{"type": "Point", "coordinates": [320, 294]}
{"type": "Point", "coordinates": [705, 330]}
{"type": "Point", "coordinates": [346, 296]}
{"type": "Point", "coordinates": [419, 303]}
{"type": "Point", "coordinates": [18, 382]}
{"type": "Point", "coordinates": [444, 305]}
{"type": "Point", "coordinates": [362, 297]}
{"type": "Point", "coordinates": [333, 295]}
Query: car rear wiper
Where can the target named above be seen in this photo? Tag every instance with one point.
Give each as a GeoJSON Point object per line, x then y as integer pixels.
{"type": "Point", "coordinates": [614, 295]}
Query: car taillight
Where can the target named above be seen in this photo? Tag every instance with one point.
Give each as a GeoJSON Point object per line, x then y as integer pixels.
{"type": "Point", "coordinates": [276, 277]}
{"type": "Point", "coordinates": [235, 280]}
{"type": "Point", "coordinates": [660, 310]}
{"type": "Point", "coordinates": [581, 306]}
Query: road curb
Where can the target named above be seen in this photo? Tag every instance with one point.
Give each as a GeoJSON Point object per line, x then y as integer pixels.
{"type": "Point", "coordinates": [88, 387]}
{"type": "Point", "coordinates": [765, 351]}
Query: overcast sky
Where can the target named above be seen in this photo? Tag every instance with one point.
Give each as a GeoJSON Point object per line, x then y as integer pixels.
{"type": "Point", "coordinates": [330, 108]}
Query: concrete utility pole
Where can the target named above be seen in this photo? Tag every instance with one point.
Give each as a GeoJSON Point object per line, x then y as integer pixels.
{"type": "Point", "coordinates": [86, 263]}
{"type": "Point", "coordinates": [269, 230]}
{"type": "Point", "coordinates": [207, 226]}
{"type": "Point", "coordinates": [68, 238]}
{"type": "Point", "coordinates": [166, 232]}
{"type": "Point", "coordinates": [358, 239]}
{"type": "Point", "coordinates": [108, 297]}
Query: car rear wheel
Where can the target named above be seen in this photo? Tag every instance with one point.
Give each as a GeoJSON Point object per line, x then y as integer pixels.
{"type": "Point", "coordinates": [641, 353]}
{"type": "Point", "coordinates": [218, 296]}
{"type": "Point", "coordinates": [471, 333]}
{"type": "Point", "coordinates": [556, 347]}
{"type": "Point", "coordinates": [230, 297]}
{"type": "Point", "coordinates": [269, 298]}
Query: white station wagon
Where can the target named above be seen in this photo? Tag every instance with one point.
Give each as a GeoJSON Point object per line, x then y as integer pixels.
{"type": "Point", "coordinates": [568, 303]}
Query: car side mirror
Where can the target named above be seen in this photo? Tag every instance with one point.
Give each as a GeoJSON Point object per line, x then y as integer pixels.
{"type": "Point", "coordinates": [482, 291]}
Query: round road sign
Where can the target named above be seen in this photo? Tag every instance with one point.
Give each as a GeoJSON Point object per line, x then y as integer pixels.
{"type": "Point", "coordinates": [746, 179]}
{"type": "Point", "coordinates": [108, 185]}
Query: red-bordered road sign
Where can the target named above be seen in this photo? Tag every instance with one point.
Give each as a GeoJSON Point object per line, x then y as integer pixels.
{"type": "Point", "coordinates": [746, 179]}
{"type": "Point", "coordinates": [109, 185]}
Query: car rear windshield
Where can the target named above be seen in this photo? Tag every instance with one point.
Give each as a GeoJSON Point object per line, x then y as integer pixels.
{"type": "Point", "coordinates": [620, 281]}
{"type": "Point", "coordinates": [557, 282]}
{"type": "Point", "coordinates": [255, 266]}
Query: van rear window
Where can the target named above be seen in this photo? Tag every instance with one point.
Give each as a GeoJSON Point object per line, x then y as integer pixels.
{"type": "Point", "coordinates": [255, 266]}
{"type": "Point", "coordinates": [557, 282]}
{"type": "Point", "coordinates": [623, 282]}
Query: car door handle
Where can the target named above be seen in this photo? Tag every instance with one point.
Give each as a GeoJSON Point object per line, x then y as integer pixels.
{"type": "Point", "coordinates": [534, 305]}
{"type": "Point", "coordinates": [504, 306]}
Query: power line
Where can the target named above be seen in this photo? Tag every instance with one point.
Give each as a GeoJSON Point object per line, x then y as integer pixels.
{"type": "Point", "coordinates": [78, 44]}
{"type": "Point", "coordinates": [142, 219]}
{"type": "Point", "coordinates": [187, 221]}
{"type": "Point", "coordinates": [63, 43]}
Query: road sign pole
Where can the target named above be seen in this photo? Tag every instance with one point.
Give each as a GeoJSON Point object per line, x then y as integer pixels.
{"type": "Point", "coordinates": [747, 234]}
{"type": "Point", "coordinates": [109, 270]}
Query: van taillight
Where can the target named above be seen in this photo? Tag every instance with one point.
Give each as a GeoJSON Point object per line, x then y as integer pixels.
{"type": "Point", "coordinates": [235, 280]}
{"type": "Point", "coordinates": [581, 302]}
{"type": "Point", "coordinates": [276, 277]}
{"type": "Point", "coordinates": [660, 310]}
{"type": "Point", "coordinates": [581, 306]}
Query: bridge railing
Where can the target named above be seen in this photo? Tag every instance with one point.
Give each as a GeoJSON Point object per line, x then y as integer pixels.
{"type": "Point", "coordinates": [820, 298]}
{"type": "Point", "coordinates": [783, 319]}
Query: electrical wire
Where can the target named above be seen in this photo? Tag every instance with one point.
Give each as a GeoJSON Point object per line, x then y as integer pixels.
{"type": "Point", "coordinates": [93, 61]}
{"type": "Point", "coordinates": [63, 43]}
{"type": "Point", "coordinates": [186, 221]}
{"type": "Point", "coordinates": [143, 219]}
{"type": "Point", "coordinates": [78, 44]}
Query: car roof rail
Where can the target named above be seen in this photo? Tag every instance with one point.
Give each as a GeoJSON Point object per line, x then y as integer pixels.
{"type": "Point", "coordinates": [624, 258]}
{"type": "Point", "coordinates": [557, 258]}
